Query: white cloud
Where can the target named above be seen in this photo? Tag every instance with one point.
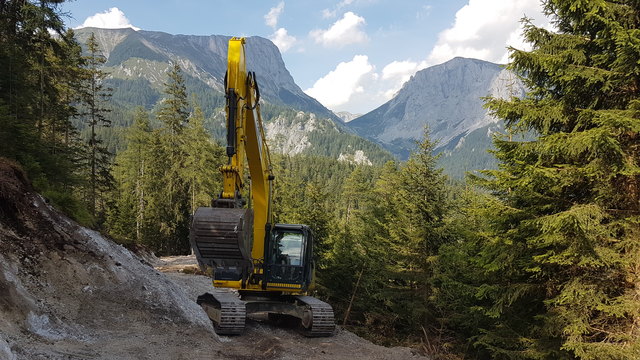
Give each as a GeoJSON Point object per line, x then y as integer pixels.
{"type": "Point", "coordinates": [400, 69]}
{"type": "Point", "coordinates": [396, 73]}
{"type": "Point", "coordinates": [484, 28]}
{"type": "Point", "coordinates": [339, 85]}
{"type": "Point", "coordinates": [326, 13]}
{"type": "Point", "coordinates": [356, 87]}
{"type": "Point", "coordinates": [282, 40]}
{"type": "Point", "coordinates": [345, 31]}
{"type": "Point", "coordinates": [113, 18]}
{"type": "Point", "coordinates": [271, 19]}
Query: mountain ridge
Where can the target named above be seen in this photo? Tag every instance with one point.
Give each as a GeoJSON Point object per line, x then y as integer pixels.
{"type": "Point", "coordinates": [138, 61]}
{"type": "Point", "coordinates": [263, 58]}
{"type": "Point", "coordinates": [448, 100]}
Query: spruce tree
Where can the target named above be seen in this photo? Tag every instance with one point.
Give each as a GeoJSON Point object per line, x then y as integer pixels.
{"type": "Point", "coordinates": [203, 160]}
{"type": "Point", "coordinates": [94, 100]}
{"type": "Point", "coordinates": [564, 249]}
{"type": "Point", "coordinates": [174, 111]}
{"type": "Point", "coordinates": [128, 217]}
{"type": "Point", "coordinates": [414, 230]}
{"type": "Point", "coordinates": [38, 78]}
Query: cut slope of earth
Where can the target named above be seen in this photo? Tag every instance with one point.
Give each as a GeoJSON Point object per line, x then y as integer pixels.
{"type": "Point", "coordinates": [67, 292]}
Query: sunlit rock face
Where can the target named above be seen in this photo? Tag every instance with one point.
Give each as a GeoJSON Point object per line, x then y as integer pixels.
{"type": "Point", "coordinates": [447, 98]}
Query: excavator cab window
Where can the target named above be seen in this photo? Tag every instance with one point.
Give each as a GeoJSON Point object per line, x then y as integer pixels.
{"type": "Point", "coordinates": [288, 247]}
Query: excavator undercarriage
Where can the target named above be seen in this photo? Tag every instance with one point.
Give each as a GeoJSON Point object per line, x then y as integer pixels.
{"type": "Point", "coordinates": [314, 318]}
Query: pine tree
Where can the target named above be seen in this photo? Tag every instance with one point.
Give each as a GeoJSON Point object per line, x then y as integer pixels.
{"type": "Point", "coordinates": [201, 167]}
{"type": "Point", "coordinates": [38, 78]}
{"type": "Point", "coordinates": [175, 209]}
{"type": "Point", "coordinates": [161, 224]}
{"type": "Point", "coordinates": [288, 193]}
{"type": "Point", "coordinates": [94, 99]}
{"type": "Point", "coordinates": [317, 214]}
{"type": "Point", "coordinates": [564, 252]}
{"type": "Point", "coordinates": [413, 228]}
{"type": "Point", "coordinates": [128, 218]}
{"type": "Point", "coordinates": [174, 112]}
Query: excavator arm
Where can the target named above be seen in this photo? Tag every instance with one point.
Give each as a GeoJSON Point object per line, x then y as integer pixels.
{"type": "Point", "coordinates": [245, 139]}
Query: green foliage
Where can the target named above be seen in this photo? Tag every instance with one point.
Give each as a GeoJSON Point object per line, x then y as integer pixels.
{"type": "Point", "coordinates": [71, 205]}
{"type": "Point", "coordinates": [389, 223]}
{"type": "Point", "coordinates": [93, 112]}
{"type": "Point", "coordinates": [539, 264]}
{"type": "Point", "coordinates": [39, 78]}
{"type": "Point", "coordinates": [553, 275]}
{"type": "Point", "coordinates": [470, 155]}
{"type": "Point", "coordinates": [134, 91]}
{"type": "Point", "coordinates": [164, 174]}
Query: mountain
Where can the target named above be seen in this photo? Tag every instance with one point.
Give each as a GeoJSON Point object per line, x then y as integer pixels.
{"type": "Point", "coordinates": [137, 63]}
{"type": "Point", "coordinates": [347, 116]}
{"type": "Point", "coordinates": [448, 99]}
{"type": "Point", "coordinates": [141, 54]}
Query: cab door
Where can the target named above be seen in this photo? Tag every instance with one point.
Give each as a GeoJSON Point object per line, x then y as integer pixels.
{"type": "Point", "coordinates": [288, 257]}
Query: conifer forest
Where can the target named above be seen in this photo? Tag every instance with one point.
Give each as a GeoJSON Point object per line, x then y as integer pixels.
{"type": "Point", "coordinates": [537, 259]}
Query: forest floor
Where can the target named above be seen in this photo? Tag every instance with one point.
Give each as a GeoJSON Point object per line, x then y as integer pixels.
{"type": "Point", "coordinates": [67, 292]}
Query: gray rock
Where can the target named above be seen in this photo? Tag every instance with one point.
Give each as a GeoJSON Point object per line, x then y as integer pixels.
{"type": "Point", "coordinates": [447, 98]}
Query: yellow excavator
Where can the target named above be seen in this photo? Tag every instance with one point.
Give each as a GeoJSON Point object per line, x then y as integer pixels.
{"type": "Point", "coordinates": [269, 265]}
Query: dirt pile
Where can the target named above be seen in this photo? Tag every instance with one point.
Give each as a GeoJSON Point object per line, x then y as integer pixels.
{"type": "Point", "coordinates": [67, 292]}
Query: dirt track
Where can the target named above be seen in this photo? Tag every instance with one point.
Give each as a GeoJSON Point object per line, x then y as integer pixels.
{"type": "Point", "coordinates": [262, 340]}
{"type": "Point", "coordinates": [67, 292]}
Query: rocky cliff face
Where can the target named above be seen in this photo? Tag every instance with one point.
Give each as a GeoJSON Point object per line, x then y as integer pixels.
{"type": "Point", "coordinates": [347, 116]}
{"type": "Point", "coordinates": [146, 54]}
{"type": "Point", "coordinates": [447, 98]}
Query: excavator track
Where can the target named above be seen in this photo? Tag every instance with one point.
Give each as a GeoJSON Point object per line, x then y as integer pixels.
{"type": "Point", "coordinates": [318, 320]}
{"type": "Point", "coordinates": [226, 311]}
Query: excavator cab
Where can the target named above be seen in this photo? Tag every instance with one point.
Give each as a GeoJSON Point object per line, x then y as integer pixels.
{"type": "Point", "coordinates": [289, 256]}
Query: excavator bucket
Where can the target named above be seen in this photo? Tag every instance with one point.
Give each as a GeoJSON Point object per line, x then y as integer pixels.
{"type": "Point", "coordinates": [221, 239]}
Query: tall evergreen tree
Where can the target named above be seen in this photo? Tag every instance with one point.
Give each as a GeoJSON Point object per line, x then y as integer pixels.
{"type": "Point", "coordinates": [414, 229]}
{"type": "Point", "coordinates": [128, 218]}
{"type": "Point", "coordinates": [565, 247]}
{"type": "Point", "coordinates": [165, 174]}
{"type": "Point", "coordinates": [175, 208]}
{"type": "Point", "coordinates": [174, 112]}
{"type": "Point", "coordinates": [38, 84]}
{"type": "Point", "coordinates": [202, 163]}
{"type": "Point", "coordinates": [94, 99]}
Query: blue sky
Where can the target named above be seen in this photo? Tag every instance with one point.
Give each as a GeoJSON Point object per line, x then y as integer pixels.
{"type": "Point", "coordinates": [351, 55]}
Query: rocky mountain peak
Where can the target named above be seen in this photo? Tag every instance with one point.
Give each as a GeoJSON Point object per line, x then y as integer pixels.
{"type": "Point", "coordinates": [202, 57]}
{"type": "Point", "coordinates": [446, 98]}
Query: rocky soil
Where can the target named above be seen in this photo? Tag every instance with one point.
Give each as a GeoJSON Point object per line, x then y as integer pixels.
{"type": "Point", "coordinates": [67, 292]}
